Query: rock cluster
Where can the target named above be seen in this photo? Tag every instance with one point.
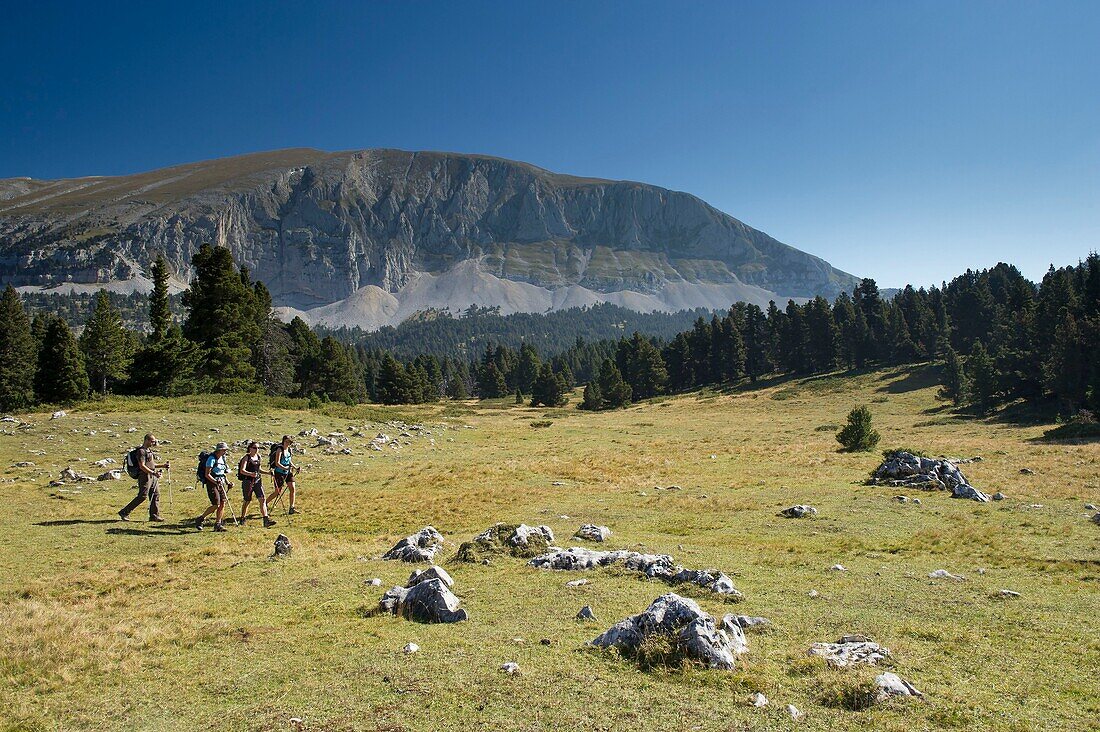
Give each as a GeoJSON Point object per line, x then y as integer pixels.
{"type": "Point", "coordinates": [591, 532]}
{"type": "Point", "coordinates": [517, 540]}
{"type": "Point", "coordinates": [655, 566]}
{"type": "Point", "coordinates": [850, 650]}
{"type": "Point", "coordinates": [282, 546]}
{"type": "Point", "coordinates": [419, 547]}
{"type": "Point", "coordinates": [425, 598]}
{"type": "Point", "coordinates": [692, 633]}
{"type": "Point", "coordinates": [912, 471]}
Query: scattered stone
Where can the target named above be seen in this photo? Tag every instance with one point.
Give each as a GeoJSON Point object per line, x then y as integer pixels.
{"type": "Point", "coordinates": [282, 546]}
{"type": "Point", "coordinates": [746, 621]}
{"type": "Point", "coordinates": [908, 470]}
{"type": "Point", "coordinates": [433, 572]}
{"type": "Point", "coordinates": [419, 547]}
{"type": "Point", "coordinates": [24, 464]}
{"type": "Point", "coordinates": [59, 414]}
{"type": "Point", "coordinates": [511, 668]}
{"type": "Point", "coordinates": [545, 642]}
{"type": "Point", "coordinates": [411, 648]}
{"type": "Point", "coordinates": [430, 601]}
{"type": "Point", "coordinates": [591, 532]}
{"type": "Point", "coordinates": [104, 462]}
{"type": "Point", "coordinates": [585, 613]}
{"type": "Point", "coordinates": [311, 432]}
{"type": "Point", "coordinates": [1096, 519]}
{"type": "Point", "coordinates": [998, 496]}
{"type": "Point", "coordinates": [71, 476]}
{"type": "Point", "coordinates": [838, 568]}
{"type": "Point", "coordinates": [654, 566]}
{"type": "Point", "coordinates": [889, 685]}
{"type": "Point", "coordinates": [944, 574]}
{"type": "Point", "coordinates": [1008, 593]}
{"type": "Point", "coordinates": [374, 582]}
{"type": "Point", "coordinates": [527, 537]}
{"type": "Point", "coordinates": [1088, 506]}
{"type": "Point", "coordinates": [850, 650]}
{"type": "Point", "coordinates": [758, 700]}
{"type": "Point", "coordinates": [692, 633]}
{"type": "Point", "coordinates": [916, 501]}
{"type": "Point", "coordinates": [576, 582]}
{"type": "Point", "coordinates": [557, 484]}
{"type": "Point", "coordinates": [1027, 471]}
{"type": "Point", "coordinates": [901, 499]}
{"type": "Point", "coordinates": [8, 419]}
{"type": "Point", "coordinates": [814, 594]}
{"type": "Point", "coordinates": [795, 712]}
{"type": "Point", "coordinates": [111, 475]}
{"type": "Point", "coordinates": [799, 511]}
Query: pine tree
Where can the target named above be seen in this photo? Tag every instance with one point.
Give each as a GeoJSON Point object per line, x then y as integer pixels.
{"type": "Point", "coordinates": [490, 381]}
{"type": "Point", "coordinates": [549, 389]}
{"type": "Point", "coordinates": [858, 435]}
{"type": "Point", "coordinates": [339, 378]}
{"type": "Point", "coordinates": [61, 377]}
{"type": "Point", "coordinates": [954, 378]}
{"type": "Point", "coordinates": [593, 399]}
{"type": "Point", "coordinates": [393, 384]}
{"type": "Point", "coordinates": [527, 368]}
{"type": "Point", "coordinates": [1066, 372]}
{"type": "Point", "coordinates": [641, 366]}
{"type": "Point", "coordinates": [105, 345]}
{"type": "Point", "coordinates": [18, 353]}
{"type": "Point", "coordinates": [274, 364]}
{"type": "Point", "coordinates": [160, 315]}
{"type": "Point", "coordinates": [165, 367]}
{"type": "Point", "coordinates": [616, 392]}
{"type": "Point", "coordinates": [981, 378]}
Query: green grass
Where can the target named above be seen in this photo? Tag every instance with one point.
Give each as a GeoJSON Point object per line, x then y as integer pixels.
{"type": "Point", "coordinates": [105, 625]}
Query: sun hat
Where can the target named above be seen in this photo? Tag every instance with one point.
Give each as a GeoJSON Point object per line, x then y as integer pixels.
{"type": "Point", "coordinates": [221, 446]}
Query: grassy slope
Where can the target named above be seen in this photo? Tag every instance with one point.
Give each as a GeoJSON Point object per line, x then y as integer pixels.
{"type": "Point", "coordinates": [128, 626]}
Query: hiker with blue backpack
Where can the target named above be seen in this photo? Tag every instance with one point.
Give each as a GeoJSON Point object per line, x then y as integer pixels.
{"type": "Point", "coordinates": [212, 471]}
{"type": "Point", "coordinates": [141, 463]}
{"type": "Point", "coordinates": [283, 470]}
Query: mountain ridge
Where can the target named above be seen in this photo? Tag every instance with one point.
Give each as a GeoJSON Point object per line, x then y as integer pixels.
{"type": "Point", "coordinates": [427, 229]}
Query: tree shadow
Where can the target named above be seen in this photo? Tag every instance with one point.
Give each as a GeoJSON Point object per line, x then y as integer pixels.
{"type": "Point", "coordinates": [916, 378]}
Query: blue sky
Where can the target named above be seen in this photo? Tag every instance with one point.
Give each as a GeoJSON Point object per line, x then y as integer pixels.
{"type": "Point", "coordinates": [902, 141]}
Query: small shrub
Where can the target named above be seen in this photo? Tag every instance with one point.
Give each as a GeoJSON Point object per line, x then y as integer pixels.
{"type": "Point", "coordinates": [887, 454]}
{"type": "Point", "coordinates": [854, 695]}
{"type": "Point", "coordinates": [827, 428]}
{"type": "Point", "coordinates": [538, 424]}
{"type": "Point", "coordinates": [858, 435]}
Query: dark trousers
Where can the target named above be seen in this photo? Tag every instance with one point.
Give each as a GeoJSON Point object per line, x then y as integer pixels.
{"type": "Point", "coordinates": [148, 487]}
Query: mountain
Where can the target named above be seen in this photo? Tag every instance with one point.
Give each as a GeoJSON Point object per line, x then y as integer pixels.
{"type": "Point", "coordinates": [370, 237]}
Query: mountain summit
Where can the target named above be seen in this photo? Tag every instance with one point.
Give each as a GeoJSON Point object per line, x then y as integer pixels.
{"type": "Point", "coordinates": [370, 237]}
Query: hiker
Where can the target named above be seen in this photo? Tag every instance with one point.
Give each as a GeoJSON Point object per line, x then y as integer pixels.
{"type": "Point", "coordinates": [283, 471]}
{"type": "Point", "coordinates": [250, 473]}
{"type": "Point", "coordinates": [213, 477]}
{"type": "Point", "coordinates": [141, 464]}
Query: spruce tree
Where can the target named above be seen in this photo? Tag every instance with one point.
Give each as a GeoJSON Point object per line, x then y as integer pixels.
{"type": "Point", "coordinates": [527, 368]}
{"type": "Point", "coordinates": [61, 377]}
{"type": "Point", "coordinates": [641, 366]}
{"type": "Point", "coordinates": [456, 388]}
{"type": "Point", "coordinates": [274, 364]}
{"type": "Point", "coordinates": [338, 377]}
{"type": "Point", "coordinates": [858, 435]}
{"type": "Point", "coordinates": [165, 367]}
{"type": "Point", "coordinates": [393, 384]}
{"type": "Point", "coordinates": [18, 353]}
{"type": "Point", "coordinates": [105, 345]}
{"type": "Point", "coordinates": [548, 389]}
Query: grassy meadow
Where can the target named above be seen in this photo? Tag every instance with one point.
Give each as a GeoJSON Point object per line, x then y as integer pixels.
{"type": "Point", "coordinates": [107, 625]}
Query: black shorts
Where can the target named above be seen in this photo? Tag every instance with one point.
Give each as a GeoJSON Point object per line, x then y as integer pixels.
{"type": "Point", "coordinates": [215, 492]}
{"type": "Point", "coordinates": [282, 479]}
{"type": "Point", "coordinates": [252, 487]}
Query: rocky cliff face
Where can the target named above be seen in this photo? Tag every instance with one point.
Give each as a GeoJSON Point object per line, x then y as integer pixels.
{"type": "Point", "coordinates": [368, 237]}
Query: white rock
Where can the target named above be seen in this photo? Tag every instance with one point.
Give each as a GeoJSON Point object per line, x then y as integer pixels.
{"type": "Point", "coordinates": [890, 684]}
{"type": "Point", "coordinates": [795, 712]}
{"type": "Point", "coordinates": [838, 568]}
{"type": "Point", "coordinates": [576, 582]}
{"type": "Point", "coordinates": [374, 582]}
{"type": "Point", "coordinates": [511, 668]}
{"type": "Point", "coordinates": [411, 648]}
{"type": "Point", "coordinates": [759, 700]}
{"type": "Point", "coordinates": [944, 574]}
{"type": "Point", "coordinates": [1008, 593]}
{"type": "Point", "coordinates": [59, 414]}
{"type": "Point", "coordinates": [814, 593]}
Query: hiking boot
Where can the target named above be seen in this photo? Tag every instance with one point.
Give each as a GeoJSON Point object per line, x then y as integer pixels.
{"type": "Point", "coordinates": [123, 517]}
{"type": "Point", "coordinates": [219, 527]}
{"type": "Point", "coordinates": [199, 523]}
{"type": "Point", "coordinates": [268, 523]}
{"type": "Point", "coordinates": [240, 522]}
{"type": "Point", "coordinates": [292, 511]}
{"type": "Point", "coordinates": [156, 519]}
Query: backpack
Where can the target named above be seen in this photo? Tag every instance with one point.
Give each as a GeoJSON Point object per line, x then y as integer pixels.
{"type": "Point", "coordinates": [200, 472]}
{"type": "Point", "coordinates": [241, 476]}
{"type": "Point", "coordinates": [271, 456]}
{"type": "Point", "coordinates": [132, 459]}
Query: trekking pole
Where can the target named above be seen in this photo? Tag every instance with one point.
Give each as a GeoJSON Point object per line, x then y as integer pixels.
{"type": "Point", "coordinates": [171, 498]}
{"type": "Point", "coordinates": [229, 504]}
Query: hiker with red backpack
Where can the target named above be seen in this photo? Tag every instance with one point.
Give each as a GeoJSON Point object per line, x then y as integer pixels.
{"type": "Point", "coordinates": [141, 464]}
{"type": "Point", "coordinates": [250, 473]}
{"type": "Point", "coordinates": [212, 471]}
